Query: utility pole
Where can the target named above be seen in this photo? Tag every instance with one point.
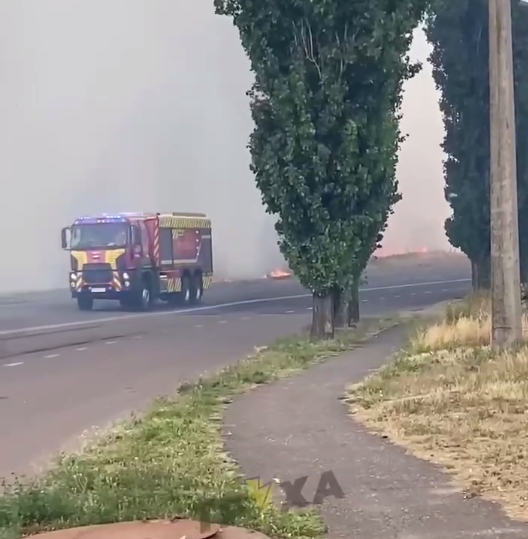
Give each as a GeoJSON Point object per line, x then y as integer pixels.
{"type": "Point", "coordinates": [505, 271]}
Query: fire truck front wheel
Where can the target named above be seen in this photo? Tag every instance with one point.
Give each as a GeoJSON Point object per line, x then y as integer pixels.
{"type": "Point", "coordinates": [143, 298]}
{"type": "Point", "coordinates": [85, 302]}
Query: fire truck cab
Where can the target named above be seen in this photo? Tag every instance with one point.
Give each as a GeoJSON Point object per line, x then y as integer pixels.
{"type": "Point", "coordinates": [137, 258]}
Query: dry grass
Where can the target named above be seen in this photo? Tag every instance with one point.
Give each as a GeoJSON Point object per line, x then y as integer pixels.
{"type": "Point", "coordinates": [466, 324]}
{"type": "Point", "coordinates": [450, 400]}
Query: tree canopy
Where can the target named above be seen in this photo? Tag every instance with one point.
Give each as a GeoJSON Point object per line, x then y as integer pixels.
{"type": "Point", "coordinates": [458, 32]}
{"type": "Point", "coordinates": [328, 86]}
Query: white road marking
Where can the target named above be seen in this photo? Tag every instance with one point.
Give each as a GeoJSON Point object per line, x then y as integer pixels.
{"type": "Point", "coordinates": [198, 326]}
{"type": "Point", "coordinates": [110, 342]}
{"type": "Point", "coordinates": [309, 308]}
{"type": "Point", "coordinates": [14, 364]}
{"type": "Point", "coordinates": [246, 318]}
{"type": "Point", "coordinates": [222, 321]}
{"type": "Point", "coordinates": [97, 321]}
{"type": "Point", "coordinates": [137, 336]}
{"type": "Point", "coordinates": [428, 292]}
{"type": "Point", "coordinates": [82, 349]}
{"type": "Point", "coordinates": [413, 293]}
{"type": "Point", "coordinates": [290, 312]}
{"type": "Point", "coordinates": [414, 285]}
{"type": "Point", "coordinates": [364, 301]}
{"type": "Point", "coordinates": [51, 356]}
{"type": "Point", "coordinates": [397, 296]}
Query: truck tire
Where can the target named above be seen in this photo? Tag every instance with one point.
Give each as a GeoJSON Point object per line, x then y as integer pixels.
{"type": "Point", "coordinates": [143, 298]}
{"type": "Point", "coordinates": [196, 289]}
{"type": "Point", "coordinates": [186, 290]}
{"type": "Point", "coordinates": [85, 302]}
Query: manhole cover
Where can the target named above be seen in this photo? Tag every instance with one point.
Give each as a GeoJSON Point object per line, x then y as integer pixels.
{"type": "Point", "coordinates": [152, 529]}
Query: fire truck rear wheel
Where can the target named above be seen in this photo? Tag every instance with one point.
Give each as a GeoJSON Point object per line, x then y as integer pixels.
{"type": "Point", "coordinates": [197, 289]}
{"type": "Point", "coordinates": [186, 290]}
{"type": "Point", "coordinates": [85, 302]}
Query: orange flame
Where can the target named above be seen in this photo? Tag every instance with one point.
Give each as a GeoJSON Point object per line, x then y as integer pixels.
{"type": "Point", "coordinates": [279, 274]}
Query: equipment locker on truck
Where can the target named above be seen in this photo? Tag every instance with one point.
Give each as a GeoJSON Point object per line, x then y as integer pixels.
{"type": "Point", "coordinates": [137, 258]}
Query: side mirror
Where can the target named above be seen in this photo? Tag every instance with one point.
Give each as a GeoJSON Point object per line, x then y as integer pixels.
{"type": "Point", "coordinates": [65, 238]}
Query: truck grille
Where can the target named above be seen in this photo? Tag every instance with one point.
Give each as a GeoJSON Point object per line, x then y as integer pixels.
{"type": "Point", "coordinates": [97, 273]}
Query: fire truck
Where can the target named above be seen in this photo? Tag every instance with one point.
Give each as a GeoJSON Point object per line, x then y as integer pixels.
{"type": "Point", "coordinates": [138, 258]}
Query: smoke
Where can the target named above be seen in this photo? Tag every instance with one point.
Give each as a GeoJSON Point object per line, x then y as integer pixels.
{"type": "Point", "coordinates": [418, 220]}
{"type": "Point", "coordinates": [139, 105]}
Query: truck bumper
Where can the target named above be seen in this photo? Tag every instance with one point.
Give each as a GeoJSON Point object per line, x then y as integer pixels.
{"type": "Point", "coordinates": [99, 292]}
{"type": "Point", "coordinates": [116, 289]}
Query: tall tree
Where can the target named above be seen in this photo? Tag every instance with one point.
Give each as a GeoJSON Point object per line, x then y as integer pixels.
{"type": "Point", "coordinates": [328, 82]}
{"type": "Point", "coordinates": [458, 32]}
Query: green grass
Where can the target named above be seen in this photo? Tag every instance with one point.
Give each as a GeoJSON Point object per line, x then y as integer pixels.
{"type": "Point", "coordinates": [170, 461]}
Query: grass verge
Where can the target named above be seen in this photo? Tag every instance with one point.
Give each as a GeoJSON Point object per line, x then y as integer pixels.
{"type": "Point", "coordinates": [450, 400]}
{"type": "Point", "coordinates": [171, 462]}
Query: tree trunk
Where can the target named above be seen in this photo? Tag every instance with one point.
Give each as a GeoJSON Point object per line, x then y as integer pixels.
{"type": "Point", "coordinates": [322, 317]}
{"type": "Point", "coordinates": [353, 306]}
{"type": "Point", "coordinates": [340, 309]}
{"type": "Point", "coordinates": [524, 269]}
{"type": "Point", "coordinates": [481, 274]}
{"type": "Point", "coordinates": [474, 275]}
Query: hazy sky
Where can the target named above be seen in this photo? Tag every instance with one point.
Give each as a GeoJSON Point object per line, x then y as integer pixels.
{"type": "Point", "coordinates": [136, 105]}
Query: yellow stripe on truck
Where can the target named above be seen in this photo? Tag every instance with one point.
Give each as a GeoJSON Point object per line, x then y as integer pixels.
{"type": "Point", "coordinates": [171, 221]}
{"type": "Point", "coordinates": [110, 257]}
{"type": "Point", "coordinates": [174, 285]}
{"type": "Point", "coordinates": [81, 257]}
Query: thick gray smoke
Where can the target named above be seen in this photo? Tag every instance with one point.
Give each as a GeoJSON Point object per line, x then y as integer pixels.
{"type": "Point", "coordinates": [135, 105]}
{"type": "Point", "coordinates": [418, 220]}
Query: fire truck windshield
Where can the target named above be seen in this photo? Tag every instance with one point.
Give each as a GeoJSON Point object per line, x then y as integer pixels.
{"type": "Point", "coordinates": [98, 236]}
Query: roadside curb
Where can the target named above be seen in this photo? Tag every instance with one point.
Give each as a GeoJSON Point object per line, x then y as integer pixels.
{"type": "Point", "coordinates": [160, 529]}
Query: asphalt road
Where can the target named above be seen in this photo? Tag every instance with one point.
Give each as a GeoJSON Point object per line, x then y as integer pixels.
{"type": "Point", "coordinates": [74, 379]}
{"type": "Point", "coordinates": [55, 308]}
{"type": "Point", "coordinates": [49, 320]}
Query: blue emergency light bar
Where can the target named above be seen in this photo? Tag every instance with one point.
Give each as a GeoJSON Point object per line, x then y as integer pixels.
{"type": "Point", "coordinates": [104, 218]}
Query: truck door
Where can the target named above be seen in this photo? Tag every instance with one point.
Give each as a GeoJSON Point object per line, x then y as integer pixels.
{"type": "Point", "coordinates": [144, 238]}
{"type": "Point", "coordinates": [136, 245]}
{"type": "Point", "coordinates": [141, 244]}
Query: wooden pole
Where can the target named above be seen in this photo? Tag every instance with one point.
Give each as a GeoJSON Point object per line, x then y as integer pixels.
{"type": "Point", "coordinates": [505, 271]}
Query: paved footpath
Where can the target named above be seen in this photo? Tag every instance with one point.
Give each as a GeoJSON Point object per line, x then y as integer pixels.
{"type": "Point", "coordinates": [299, 427]}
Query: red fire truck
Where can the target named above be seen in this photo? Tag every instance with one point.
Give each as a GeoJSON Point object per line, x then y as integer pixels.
{"type": "Point", "coordinates": [137, 258]}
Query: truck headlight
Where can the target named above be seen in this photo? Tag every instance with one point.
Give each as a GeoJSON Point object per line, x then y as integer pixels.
{"type": "Point", "coordinates": [126, 276]}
